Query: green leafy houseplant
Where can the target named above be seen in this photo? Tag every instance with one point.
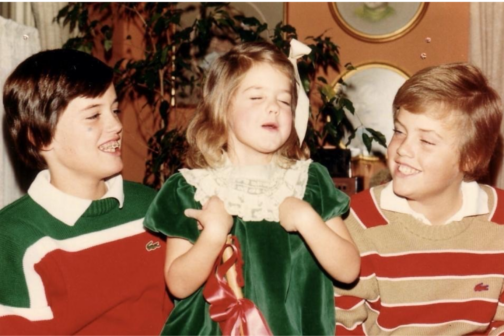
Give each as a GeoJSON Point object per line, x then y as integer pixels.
{"type": "Point", "coordinates": [170, 67]}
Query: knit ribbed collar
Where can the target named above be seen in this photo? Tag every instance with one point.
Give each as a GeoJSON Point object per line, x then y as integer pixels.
{"type": "Point", "coordinates": [475, 202]}
{"type": "Point", "coordinates": [67, 208]}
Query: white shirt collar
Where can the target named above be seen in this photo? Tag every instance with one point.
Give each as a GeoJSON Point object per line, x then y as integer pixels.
{"type": "Point", "coordinates": [67, 208]}
{"type": "Point", "coordinates": [474, 202]}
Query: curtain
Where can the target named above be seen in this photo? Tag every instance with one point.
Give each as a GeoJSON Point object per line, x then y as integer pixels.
{"type": "Point", "coordinates": [18, 42]}
{"type": "Point", "coordinates": [18, 11]}
{"type": "Point", "coordinates": [52, 35]}
{"type": "Point", "coordinates": [41, 16]}
{"type": "Point", "coordinates": [486, 51]}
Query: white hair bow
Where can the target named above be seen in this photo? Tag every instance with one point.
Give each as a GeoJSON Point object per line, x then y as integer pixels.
{"type": "Point", "coordinates": [298, 50]}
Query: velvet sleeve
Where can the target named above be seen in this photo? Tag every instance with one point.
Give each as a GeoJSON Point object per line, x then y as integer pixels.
{"type": "Point", "coordinates": [166, 213]}
{"type": "Point", "coordinates": [323, 195]}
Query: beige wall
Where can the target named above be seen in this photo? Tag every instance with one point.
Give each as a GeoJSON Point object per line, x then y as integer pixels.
{"type": "Point", "coordinates": [447, 24]}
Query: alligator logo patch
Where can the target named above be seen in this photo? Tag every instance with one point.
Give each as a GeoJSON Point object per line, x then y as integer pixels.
{"type": "Point", "coordinates": [151, 246]}
{"type": "Point", "coordinates": [480, 287]}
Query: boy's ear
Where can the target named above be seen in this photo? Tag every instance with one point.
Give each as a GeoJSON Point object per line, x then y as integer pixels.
{"type": "Point", "coordinates": [44, 148]}
{"type": "Point", "coordinates": [47, 147]}
{"type": "Point", "coordinates": [468, 166]}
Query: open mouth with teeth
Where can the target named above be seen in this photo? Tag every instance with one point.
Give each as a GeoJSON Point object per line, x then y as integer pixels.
{"type": "Point", "coordinates": [407, 170]}
{"type": "Point", "coordinates": [271, 127]}
{"type": "Point", "coordinates": [110, 147]}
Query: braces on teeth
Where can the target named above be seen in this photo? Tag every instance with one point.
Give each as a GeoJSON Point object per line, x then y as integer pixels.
{"type": "Point", "coordinates": [110, 147]}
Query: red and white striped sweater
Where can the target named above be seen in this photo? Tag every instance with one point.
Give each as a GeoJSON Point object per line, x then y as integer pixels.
{"type": "Point", "coordinates": [418, 279]}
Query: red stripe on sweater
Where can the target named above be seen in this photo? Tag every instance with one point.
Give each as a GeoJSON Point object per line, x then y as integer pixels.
{"type": "Point", "coordinates": [346, 302]}
{"type": "Point", "coordinates": [495, 324]}
{"type": "Point", "coordinates": [341, 330]}
{"type": "Point", "coordinates": [375, 305]}
{"type": "Point", "coordinates": [498, 216]}
{"type": "Point", "coordinates": [366, 209]}
{"type": "Point", "coordinates": [475, 311]}
{"type": "Point", "coordinates": [432, 264]}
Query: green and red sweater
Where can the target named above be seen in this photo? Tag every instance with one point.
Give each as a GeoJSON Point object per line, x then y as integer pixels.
{"type": "Point", "coordinates": [72, 266]}
{"type": "Point", "coordinates": [418, 279]}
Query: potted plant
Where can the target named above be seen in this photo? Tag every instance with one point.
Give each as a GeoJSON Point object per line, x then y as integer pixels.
{"type": "Point", "coordinates": [170, 70]}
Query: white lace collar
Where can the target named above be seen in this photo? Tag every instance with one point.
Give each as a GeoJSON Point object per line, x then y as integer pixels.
{"type": "Point", "coordinates": [253, 193]}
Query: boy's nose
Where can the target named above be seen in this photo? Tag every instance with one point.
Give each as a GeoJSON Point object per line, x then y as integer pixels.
{"type": "Point", "coordinates": [114, 124]}
{"type": "Point", "coordinates": [404, 148]}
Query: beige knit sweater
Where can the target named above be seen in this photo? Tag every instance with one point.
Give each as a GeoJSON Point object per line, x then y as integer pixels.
{"type": "Point", "coordinates": [418, 279]}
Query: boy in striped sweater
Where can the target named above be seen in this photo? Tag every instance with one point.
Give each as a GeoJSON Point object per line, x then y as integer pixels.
{"type": "Point", "coordinates": [432, 240]}
{"type": "Point", "coordinates": [74, 255]}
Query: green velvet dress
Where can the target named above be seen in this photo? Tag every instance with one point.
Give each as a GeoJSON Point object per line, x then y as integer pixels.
{"type": "Point", "coordinates": [282, 277]}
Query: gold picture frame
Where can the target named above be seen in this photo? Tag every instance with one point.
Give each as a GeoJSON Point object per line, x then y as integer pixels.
{"type": "Point", "coordinates": [378, 21]}
{"type": "Point", "coordinates": [371, 87]}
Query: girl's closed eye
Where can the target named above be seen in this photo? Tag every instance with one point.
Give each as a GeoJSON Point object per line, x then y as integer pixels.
{"type": "Point", "coordinates": [427, 142]}
{"type": "Point", "coordinates": [256, 98]}
{"type": "Point", "coordinates": [117, 111]}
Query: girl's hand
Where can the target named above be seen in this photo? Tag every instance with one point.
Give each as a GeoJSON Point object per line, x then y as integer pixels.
{"type": "Point", "coordinates": [213, 218]}
{"type": "Point", "coordinates": [294, 213]}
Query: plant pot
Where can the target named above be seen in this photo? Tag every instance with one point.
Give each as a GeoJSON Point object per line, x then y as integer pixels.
{"type": "Point", "coordinates": [336, 160]}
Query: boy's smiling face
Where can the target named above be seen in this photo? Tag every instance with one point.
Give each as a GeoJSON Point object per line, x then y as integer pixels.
{"type": "Point", "coordinates": [86, 145]}
{"type": "Point", "coordinates": [424, 156]}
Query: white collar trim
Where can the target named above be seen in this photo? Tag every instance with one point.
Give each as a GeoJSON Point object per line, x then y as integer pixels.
{"type": "Point", "coordinates": [67, 208]}
{"type": "Point", "coordinates": [474, 202]}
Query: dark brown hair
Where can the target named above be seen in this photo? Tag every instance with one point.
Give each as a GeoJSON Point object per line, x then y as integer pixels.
{"type": "Point", "coordinates": [207, 132]}
{"type": "Point", "coordinates": [462, 91]}
{"type": "Point", "coordinates": [39, 90]}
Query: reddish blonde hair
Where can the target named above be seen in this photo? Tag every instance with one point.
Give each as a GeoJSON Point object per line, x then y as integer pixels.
{"type": "Point", "coordinates": [207, 132]}
{"type": "Point", "coordinates": [462, 92]}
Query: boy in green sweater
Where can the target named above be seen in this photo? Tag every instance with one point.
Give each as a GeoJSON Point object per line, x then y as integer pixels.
{"type": "Point", "coordinates": [74, 256]}
{"type": "Point", "coordinates": [432, 240]}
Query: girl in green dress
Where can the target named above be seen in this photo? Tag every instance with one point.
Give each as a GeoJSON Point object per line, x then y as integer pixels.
{"type": "Point", "coordinates": [251, 177]}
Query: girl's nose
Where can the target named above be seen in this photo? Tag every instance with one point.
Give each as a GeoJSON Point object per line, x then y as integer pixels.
{"type": "Point", "coordinates": [273, 107]}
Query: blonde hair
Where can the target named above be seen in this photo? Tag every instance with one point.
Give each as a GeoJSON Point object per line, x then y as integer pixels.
{"type": "Point", "coordinates": [461, 91]}
{"type": "Point", "coordinates": [207, 132]}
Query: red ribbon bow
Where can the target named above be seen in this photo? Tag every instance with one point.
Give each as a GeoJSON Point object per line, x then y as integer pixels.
{"type": "Point", "coordinates": [225, 308]}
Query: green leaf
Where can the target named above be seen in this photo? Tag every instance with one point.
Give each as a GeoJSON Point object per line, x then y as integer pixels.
{"type": "Point", "coordinates": [367, 141]}
{"type": "Point", "coordinates": [339, 114]}
{"type": "Point", "coordinates": [106, 31]}
{"type": "Point", "coordinates": [288, 29]}
{"type": "Point", "coordinates": [107, 45]}
{"type": "Point", "coordinates": [351, 137]}
{"type": "Point", "coordinates": [163, 109]}
{"type": "Point", "coordinates": [350, 67]}
{"type": "Point", "coordinates": [328, 91]}
{"type": "Point", "coordinates": [104, 5]}
{"type": "Point", "coordinates": [322, 79]}
{"type": "Point", "coordinates": [378, 136]}
{"type": "Point", "coordinates": [348, 105]}
{"type": "Point", "coordinates": [164, 54]}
